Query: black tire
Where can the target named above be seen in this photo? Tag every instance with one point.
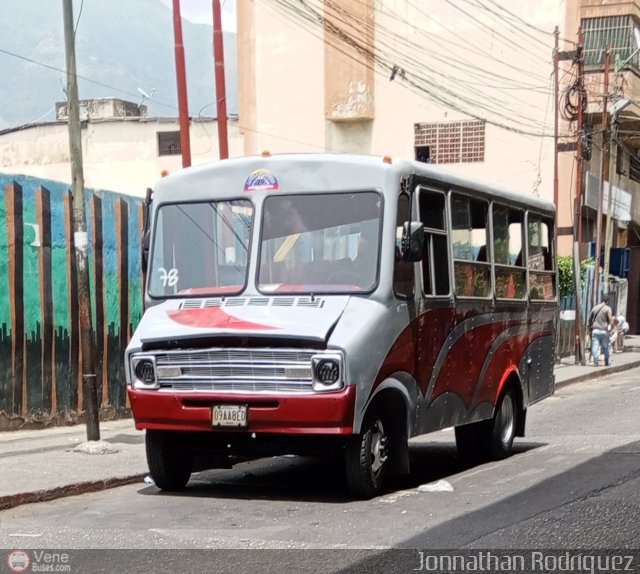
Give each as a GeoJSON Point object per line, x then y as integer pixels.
{"type": "Point", "coordinates": [170, 462]}
{"type": "Point", "coordinates": [502, 427]}
{"type": "Point", "coordinates": [367, 459]}
{"type": "Point", "coordinates": [491, 439]}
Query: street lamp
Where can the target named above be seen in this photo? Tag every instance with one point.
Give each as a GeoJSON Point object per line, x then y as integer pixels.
{"type": "Point", "coordinates": [620, 105]}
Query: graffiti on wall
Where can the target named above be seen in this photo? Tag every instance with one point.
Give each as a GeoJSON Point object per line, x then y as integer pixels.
{"type": "Point", "coordinates": [39, 333]}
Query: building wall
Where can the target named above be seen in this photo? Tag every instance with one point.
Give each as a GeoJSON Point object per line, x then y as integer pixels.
{"type": "Point", "coordinates": [117, 154]}
{"type": "Point", "coordinates": [625, 84]}
{"type": "Point", "coordinates": [303, 90]}
{"type": "Point", "coordinates": [40, 378]}
{"type": "Point", "coordinates": [281, 82]}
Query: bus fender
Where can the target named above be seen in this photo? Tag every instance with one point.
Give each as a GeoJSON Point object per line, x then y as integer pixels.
{"type": "Point", "coordinates": [512, 376]}
{"type": "Point", "coordinates": [387, 396]}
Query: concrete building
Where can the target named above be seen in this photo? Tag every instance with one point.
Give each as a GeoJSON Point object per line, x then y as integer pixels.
{"type": "Point", "coordinates": [611, 143]}
{"type": "Point", "coordinates": [123, 149]}
{"type": "Point", "coordinates": [614, 24]}
{"type": "Point", "coordinates": [466, 85]}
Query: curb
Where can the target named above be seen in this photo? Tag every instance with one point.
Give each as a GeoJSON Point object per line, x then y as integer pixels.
{"type": "Point", "coordinates": [598, 373]}
{"type": "Point", "coordinates": [13, 500]}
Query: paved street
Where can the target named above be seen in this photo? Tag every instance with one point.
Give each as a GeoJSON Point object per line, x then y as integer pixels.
{"type": "Point", "coordinates": [574, 483]}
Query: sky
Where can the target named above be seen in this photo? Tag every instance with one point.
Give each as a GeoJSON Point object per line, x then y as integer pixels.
{"type": "Point", "coordinates": [199, 11]}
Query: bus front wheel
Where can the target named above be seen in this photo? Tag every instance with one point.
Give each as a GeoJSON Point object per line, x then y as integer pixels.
{"type": "Point", "coordinates": [491, 439]}
{"type": "Point", "coordinates": [170, 462]}
{"type": "Point", "coordinates": [367, 458]}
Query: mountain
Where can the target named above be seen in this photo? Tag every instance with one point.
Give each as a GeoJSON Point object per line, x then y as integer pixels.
{"type": "Point", "coordinates": [121, 46]}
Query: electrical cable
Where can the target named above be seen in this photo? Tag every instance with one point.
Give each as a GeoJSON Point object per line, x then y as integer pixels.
{"type": "Point", "coordinates": [418, 83]}
{"type": "Point", "coordinates": [78, 76]}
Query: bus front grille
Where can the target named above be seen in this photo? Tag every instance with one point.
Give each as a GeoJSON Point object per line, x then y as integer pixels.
{"type": "Point", "coordinates": [236, 370]}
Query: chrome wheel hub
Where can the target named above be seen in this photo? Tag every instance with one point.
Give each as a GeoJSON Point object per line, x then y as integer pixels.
{"type": "Point", "coordinates": [507, 419]}
{"type": "Point", "coordinates": [379, 449]}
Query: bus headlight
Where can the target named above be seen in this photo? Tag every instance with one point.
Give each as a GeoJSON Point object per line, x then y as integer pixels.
{"type": "Point", "coordinates": [143, 369]}
{"type": "Point", "coordinates": [327, 372]}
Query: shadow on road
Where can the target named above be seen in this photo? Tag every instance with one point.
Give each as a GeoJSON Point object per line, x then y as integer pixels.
{"type": "Point", "coordinates": [318, 479]}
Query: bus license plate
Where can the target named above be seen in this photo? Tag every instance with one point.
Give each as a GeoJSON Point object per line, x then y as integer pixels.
{"type": "Point", "coordinates": [229, 416]}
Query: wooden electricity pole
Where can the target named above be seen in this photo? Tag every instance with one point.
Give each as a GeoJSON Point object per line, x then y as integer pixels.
{"type": "Point", "coordinates": [604, 172]}
{"type": "Point", "coordinates": [578, 332]}
{"type": "Point", "coordinates": [81, 242]}
{"type": "Point", "coordinates": [181, 80]}
{"type": "Point", "coordinates": [221, 95]}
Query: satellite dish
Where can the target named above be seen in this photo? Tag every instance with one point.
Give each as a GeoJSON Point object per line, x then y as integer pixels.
{"type": "Point", "coordinates": [145, 96]}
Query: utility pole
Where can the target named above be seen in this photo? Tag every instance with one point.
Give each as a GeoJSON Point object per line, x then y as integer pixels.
{"type": "Point", "coordinates": [221, 92]}
{"type": "Point", "coordinates": [556, 96]}
{"type": "Point", "coordinates": [89, 383]}
{"type": "Point", "coordinates": [604, 170]}
{"type": "Point", "coordinates": [615, 110]}
{"type": "Point", "coordinates": [579, 348]}
{"type": "Point", "coordinates": [608, 234]}
{"type": "Point", "coordinates": [181, 80]}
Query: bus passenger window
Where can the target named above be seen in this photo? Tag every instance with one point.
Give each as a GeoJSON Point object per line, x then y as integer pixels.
{"type": "Point", "coordinates": [435, 264]}
{"type": "Point", "coordinates": [542, 278]}
{"type": "Point", "coordinates": [508, 239]}
{"type": "Point", "coordinates": [472, 276]}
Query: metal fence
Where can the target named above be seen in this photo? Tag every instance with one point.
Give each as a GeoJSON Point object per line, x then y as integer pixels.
{"type": "Point", "coordinates": [39, 334]}
{"type": "Point", "coordinates": [617, 291]}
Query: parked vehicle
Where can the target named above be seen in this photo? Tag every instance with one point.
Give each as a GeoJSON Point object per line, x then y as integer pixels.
{"type": "Point", "coordinates": [339, 304]}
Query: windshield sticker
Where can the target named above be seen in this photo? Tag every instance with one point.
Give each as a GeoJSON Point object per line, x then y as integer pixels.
{"type": "Point", "coordinates": [168, 278]}
{"type": "Point", "coordinates": [261, 180]}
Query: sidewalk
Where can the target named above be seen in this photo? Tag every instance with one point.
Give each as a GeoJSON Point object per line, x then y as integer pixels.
{"type": "Point", "coordinates": [40, 465]}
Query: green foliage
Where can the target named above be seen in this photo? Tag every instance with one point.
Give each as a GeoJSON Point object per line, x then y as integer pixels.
{"type": "Point", "coordinates": [565, 274]}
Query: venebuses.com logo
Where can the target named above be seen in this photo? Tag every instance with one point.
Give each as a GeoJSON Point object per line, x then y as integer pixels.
{"type": "Point", "coordinates": [18, 561]}
{"type": "Point", "coordinates": [38, 561]}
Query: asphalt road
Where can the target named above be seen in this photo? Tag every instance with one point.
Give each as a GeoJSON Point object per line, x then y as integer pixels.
{"type": "Point", "coordinates": [574, 483]}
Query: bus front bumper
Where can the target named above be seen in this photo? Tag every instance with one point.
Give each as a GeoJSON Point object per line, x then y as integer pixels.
{"type": "Point", "coordinates": [318, 413]}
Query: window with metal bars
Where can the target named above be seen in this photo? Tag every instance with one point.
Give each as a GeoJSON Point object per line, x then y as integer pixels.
{"type": "Point", "coordinates": [620, 160]}
{"type": "Point", "coordinates": [169, 143]}
{"type": "Point", "coordinates": [619, 32]}
{"type": "Point", "coordinates": [450, 142]}
{"type": "Point", "coordinates": [634, 168]}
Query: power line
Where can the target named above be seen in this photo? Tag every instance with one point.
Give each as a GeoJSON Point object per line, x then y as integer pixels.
{"type": "Point", "coordinates": [448, 59]}
{"type": "Point", "coordinates": [345, 35]}
{"type": "Point", "coordinates": [522, 20]}
{"type": "Point", "coordinates": [301, 10]}
{"type": "Point", "coordinates": [75, 28]}
{"type": "Point", "coordinates": [86, 79]}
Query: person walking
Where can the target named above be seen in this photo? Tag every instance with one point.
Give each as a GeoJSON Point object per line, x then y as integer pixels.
{"type": "Point", "coordinates": [600, 322]}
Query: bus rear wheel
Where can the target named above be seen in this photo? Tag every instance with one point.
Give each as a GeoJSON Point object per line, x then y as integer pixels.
{"type": "Point", "coordinates": [491, 439]}
{"type": "Point", "coordinates": [367, 459]}
{"type": "Point", "coordinates": [170, 462]}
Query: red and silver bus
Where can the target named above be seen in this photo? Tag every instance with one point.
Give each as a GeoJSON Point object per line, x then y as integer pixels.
{"type": "Point", "coordinates": [339, 304]}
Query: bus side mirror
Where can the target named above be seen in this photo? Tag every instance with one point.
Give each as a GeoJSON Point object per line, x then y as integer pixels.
{"type": "Point", "coordinates": [146, 210]}
{"type": "Point", "coordinates": [145, 251]}
{"type": "Point", "coordinates": [412, 241]}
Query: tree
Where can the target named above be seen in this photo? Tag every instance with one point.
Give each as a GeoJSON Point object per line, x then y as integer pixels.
{"type": "Point", "coordinates": [565, 274]}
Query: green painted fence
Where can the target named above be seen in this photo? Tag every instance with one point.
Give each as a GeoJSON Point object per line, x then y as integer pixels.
{"type": "Point", "coordinates": [39, 334]}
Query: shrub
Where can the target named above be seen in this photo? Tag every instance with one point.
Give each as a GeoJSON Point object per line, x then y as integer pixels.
{"type": "Point", "coordinates": [565, 274]}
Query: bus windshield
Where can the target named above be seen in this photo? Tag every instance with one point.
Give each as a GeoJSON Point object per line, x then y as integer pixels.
{"type": "Point", "coordinates": [201, 248]}
{"type": "Point", "coordinates": [321, 243]}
